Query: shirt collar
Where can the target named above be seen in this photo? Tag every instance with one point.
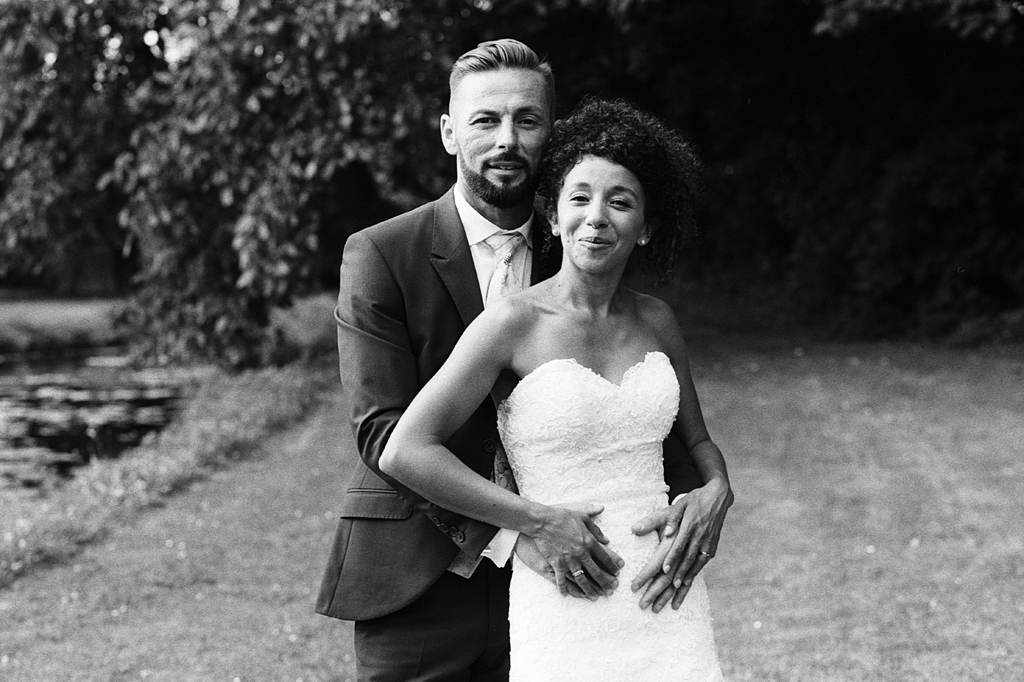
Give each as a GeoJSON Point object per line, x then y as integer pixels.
{"type": "Point", "coordinates": [479, 228]}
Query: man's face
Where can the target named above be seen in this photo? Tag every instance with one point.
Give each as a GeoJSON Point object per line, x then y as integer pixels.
{"type": "Point", "coordinates": [497, 125]}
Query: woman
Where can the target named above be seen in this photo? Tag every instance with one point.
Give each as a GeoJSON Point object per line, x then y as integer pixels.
{"type": "Point", "coordinates": [605, 376]}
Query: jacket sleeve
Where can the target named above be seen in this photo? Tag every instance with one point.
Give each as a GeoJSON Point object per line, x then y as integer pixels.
{"type": "Point", "coordinates": [379, 374]}
{"type": "Point", "coordinates": [680, 473]}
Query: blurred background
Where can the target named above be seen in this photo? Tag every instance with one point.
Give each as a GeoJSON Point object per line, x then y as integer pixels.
{"type": "Point", "coordinates": [178, 178]}
{"type": "Point", "coordinates": [203, 161]}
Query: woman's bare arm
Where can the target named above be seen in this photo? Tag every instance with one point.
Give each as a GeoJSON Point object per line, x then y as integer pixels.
{"type": "Point", "coordinates": [693, 525]}
{"type": "Point", "coordinates": [416, 456]}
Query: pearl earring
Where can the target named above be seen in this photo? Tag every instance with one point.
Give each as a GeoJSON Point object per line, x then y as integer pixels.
{"type": "Point", "coordinates": [642, 241]}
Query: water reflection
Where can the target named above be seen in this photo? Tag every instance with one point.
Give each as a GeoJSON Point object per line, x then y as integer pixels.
{"type": "Point", "coordinates": [54, 421]}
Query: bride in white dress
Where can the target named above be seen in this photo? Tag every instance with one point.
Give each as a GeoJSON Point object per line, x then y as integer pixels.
{"type": "Point", "coordinates": [604, 378]}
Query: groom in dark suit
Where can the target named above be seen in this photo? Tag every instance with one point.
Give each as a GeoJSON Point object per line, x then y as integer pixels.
{"type": "Point", "coordinates": [427, 588]}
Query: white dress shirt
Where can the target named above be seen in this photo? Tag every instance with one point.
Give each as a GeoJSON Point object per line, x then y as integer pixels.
{"type": "Point", "coordinates": [479, 228]}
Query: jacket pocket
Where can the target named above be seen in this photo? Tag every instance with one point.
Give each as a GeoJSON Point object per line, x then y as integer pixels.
{"type": "Point", "coordinates": [374, 503]}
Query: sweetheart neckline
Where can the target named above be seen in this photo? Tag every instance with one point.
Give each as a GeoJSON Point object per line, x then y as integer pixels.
{"type": "Point", "coordinates": [577, 363]}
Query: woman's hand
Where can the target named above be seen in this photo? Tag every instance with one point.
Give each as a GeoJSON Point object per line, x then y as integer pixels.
{"type": "Point", "coordinates": [656, 584]}
{"type": "Point", "coordinates": [688, 533]}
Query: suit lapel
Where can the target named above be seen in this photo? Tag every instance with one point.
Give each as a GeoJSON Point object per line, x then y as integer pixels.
{"type": "Point", "coordinates": [452, 259]}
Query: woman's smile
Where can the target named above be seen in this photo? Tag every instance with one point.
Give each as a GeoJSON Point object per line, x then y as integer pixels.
{"type": "Point", "coordinates": [600, 214]}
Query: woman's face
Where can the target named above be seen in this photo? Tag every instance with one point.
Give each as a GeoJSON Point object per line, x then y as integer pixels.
{"type": "Point", "coordinates": [600, 214]}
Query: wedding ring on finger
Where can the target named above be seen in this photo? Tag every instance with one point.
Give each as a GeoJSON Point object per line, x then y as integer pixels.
{"type": "Point", "coordinates": [701, 552]}
{"type": "Point", "coordinates": [577, 575]}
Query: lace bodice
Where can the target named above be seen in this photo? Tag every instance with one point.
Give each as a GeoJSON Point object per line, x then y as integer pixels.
{"type": "Point", "coordinates": [572, 436]}
{"type": "Point", "coordinates": [564, 421]}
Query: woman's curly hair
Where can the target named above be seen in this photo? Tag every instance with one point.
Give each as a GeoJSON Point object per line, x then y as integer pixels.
{"type": "Point", "coordinates": [665, 164]}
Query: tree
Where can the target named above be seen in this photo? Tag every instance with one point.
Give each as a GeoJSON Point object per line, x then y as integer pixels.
{"type": "Point", "coordinates": [67, 71]}
{"type": "Point", "coordinates": [272, 112]}
{"type": "Point", "coordinates": [865, 154]}
{"type": "Point", "coordinates": [272, 105]}
{"type": "Point", "coordinates": [869, 181]}
{"type": "Point", "coordinates": [990, 20]}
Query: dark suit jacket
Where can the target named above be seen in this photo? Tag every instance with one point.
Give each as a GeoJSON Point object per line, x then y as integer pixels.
{"type": "Point", "coordinates": [408, 291]}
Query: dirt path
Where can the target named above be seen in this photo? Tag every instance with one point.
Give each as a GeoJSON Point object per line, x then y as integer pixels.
{"type": "Point", "coordinates": [218, 584]}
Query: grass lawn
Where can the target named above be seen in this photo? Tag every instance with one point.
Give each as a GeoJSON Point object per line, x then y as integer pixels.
{"type": "Point", "coordinates": [51, 324]}
{"type": "Point", "coordinates": [877, 536]}
{"type": "Point", "coordinates": [877, 533]}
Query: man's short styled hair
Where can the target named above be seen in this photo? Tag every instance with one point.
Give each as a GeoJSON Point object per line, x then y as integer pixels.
{"type": "Point", "coordinates": [505, 53]}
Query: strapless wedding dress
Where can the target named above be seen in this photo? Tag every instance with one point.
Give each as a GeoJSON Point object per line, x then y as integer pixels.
{"type": "Point", "coordinates": [574, 437]}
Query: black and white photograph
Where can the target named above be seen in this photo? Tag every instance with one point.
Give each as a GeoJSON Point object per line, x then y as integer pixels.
{"type": "Point", "coordinates": [511, 340]}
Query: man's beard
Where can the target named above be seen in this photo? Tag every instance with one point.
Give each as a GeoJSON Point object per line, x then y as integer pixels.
{"type": "Point", "coordinates": [501, 196]}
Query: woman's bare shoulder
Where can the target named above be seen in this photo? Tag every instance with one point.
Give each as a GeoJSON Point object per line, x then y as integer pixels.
{"type": "Point", "coordinates": [511, 319]}
{"type": "Point", "coordinates": [658, 316]}
{"type": "Point", "coordinates": [651, 309]}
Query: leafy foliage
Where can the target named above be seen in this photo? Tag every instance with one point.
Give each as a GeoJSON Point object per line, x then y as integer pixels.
{"type": "Point", "coordinates": [67, 70]}
{"type": "Point", "coordinates": [864, 156]}
{"type": "Point", "coordinates": [281, 123]}
{"type": "Point", "coordinates": [875, 180]}
{"type": "Point", "coordinates": [273, 120]}
{"type": "Point", "coordinates": [983, 19]}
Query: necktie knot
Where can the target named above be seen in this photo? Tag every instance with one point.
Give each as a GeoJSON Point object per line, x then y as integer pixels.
{"type": "Point", "coordinates": [504, 243]}
{"type": "Point", "coordinates": [504, 280]}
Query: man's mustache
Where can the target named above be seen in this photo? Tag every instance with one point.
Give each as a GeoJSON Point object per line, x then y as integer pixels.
{"type": "Point", "coordinates": [509, 158]}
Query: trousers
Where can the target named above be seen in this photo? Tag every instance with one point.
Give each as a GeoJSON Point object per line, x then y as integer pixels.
{"type": "Point", "coordinates": [457, 631]}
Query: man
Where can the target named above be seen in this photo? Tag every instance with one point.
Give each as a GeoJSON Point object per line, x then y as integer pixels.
{"type": "Point", "coordinates": [427, 588]}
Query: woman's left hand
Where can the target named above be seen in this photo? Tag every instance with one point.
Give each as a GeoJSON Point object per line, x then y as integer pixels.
{"type": "Point", "coordinates": [689, 531]}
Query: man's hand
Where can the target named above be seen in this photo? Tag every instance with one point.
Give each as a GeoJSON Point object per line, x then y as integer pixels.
{"type": "Point", "coordinates": [689, 531]}
{"type": "Point", "coordinates": [526, 550]}
{"type": "Point", "coordinates": [570, 551]}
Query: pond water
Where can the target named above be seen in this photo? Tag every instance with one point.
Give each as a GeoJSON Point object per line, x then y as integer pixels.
{"type": "Point", "coordinates": [59, 414]}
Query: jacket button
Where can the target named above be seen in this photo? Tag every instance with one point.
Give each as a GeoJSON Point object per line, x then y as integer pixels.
{"type": "Point", "coordinates": [443, 527]}
{"type": "Point", "coordinates": [489, 445]}
{"type": "Point", "coordinates": [461, 537]}
{"type": "Point", "coordinates": [435, 520]}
